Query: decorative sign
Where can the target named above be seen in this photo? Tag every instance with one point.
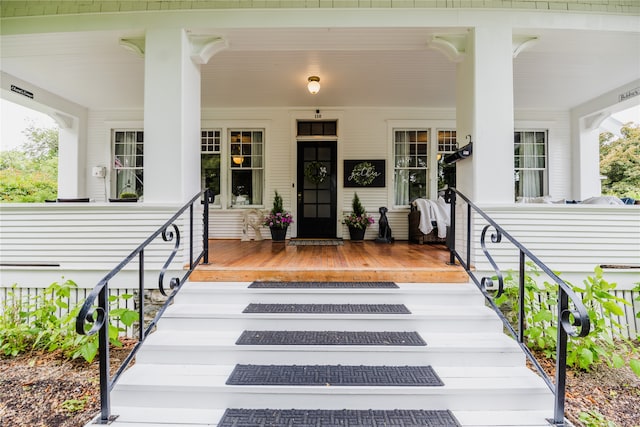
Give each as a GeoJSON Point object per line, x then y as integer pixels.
{"type": "Point", "coordinates": [21, 91]}
{"type": "Point", "coordinates": [629, 94]}
{"type": "Point", "coordinates": [364, 173]}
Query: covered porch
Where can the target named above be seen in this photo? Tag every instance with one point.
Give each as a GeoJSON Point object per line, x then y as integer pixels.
{"type": "Point", "coordinates": [400, 261]}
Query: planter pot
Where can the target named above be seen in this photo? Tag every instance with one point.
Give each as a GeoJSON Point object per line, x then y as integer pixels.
{"type": "Point", "coordinates": [278, 234]}
{"type": "Point", "coordinates": [357, 234]}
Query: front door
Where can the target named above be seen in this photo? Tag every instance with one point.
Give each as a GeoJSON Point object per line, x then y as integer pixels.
{"type": "Point", "coordinates": [317, 188]}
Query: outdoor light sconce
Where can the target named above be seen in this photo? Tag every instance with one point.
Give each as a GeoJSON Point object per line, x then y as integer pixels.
{"type": "Point", "coordinates": [461, 153]}
{"type": "Point", "coordinates": [314, 84]}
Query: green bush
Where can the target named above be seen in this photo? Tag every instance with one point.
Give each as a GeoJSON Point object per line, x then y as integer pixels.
{"type": "Point", "coordinates": [604, 344]}
{"type": "Point", "coordinates": [36, 323]}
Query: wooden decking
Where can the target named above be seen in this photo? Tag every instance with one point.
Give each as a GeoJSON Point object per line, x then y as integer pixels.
{"type": "Point", "coordinates": [401, 261]}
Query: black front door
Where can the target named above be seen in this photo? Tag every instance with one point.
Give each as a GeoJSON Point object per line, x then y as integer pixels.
{"type": "Point", "coordinates": [317, 187]}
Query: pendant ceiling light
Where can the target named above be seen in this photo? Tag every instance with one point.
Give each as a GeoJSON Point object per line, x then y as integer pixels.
{"type": "Point", "coordinates": [314, 84]}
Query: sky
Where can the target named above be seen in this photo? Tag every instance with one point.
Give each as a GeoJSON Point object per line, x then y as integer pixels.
{"type": "Point", "coordinates": [15, 118]}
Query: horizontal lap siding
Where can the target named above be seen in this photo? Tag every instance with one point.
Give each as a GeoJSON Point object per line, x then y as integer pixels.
{"type": "Point", "coordinates": [84, 237]}
{"type": "Point", "coordinates": [565, 237]}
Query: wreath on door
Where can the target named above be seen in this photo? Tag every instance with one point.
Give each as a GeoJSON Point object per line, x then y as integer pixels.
{"type": "Point", "coordinates": [316, 172]}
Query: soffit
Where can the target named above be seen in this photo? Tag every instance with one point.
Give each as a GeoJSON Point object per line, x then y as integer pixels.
{"type": "Point", "coordinates": [358, 67]}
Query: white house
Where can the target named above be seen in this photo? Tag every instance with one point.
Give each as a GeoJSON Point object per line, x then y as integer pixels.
{"type": "Point", "coordinates": [248, 97]}
{"type": "Point", "coordinates": [215, 94]}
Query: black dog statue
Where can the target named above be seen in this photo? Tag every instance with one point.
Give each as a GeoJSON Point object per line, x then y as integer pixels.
{"type": "Point", "coordinates": [384, 231]}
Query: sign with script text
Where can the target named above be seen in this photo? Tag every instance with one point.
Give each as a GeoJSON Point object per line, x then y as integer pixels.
{"type": "Point", "coordinates": [364, 173]}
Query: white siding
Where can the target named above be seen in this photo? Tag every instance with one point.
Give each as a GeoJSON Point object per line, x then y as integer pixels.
{"type": "Point", "coordinates": [570, 239]}
{"type": "Point", "coordinates": [42, 241]}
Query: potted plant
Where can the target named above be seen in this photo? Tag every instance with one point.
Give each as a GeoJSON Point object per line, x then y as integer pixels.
{"type": "Point", "coordinates": [357, 220]}
{"type": "Point", "coordinates": [126, 197]}
{"type": "Point", "coordinates": [278, 220]}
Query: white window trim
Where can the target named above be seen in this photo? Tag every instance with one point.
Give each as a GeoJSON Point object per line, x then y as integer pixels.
{"type": "Point", "coordinates": [225, 126]}
{"type": "Point", "coordinates": [545, 178]}
{"type": "Point", "coordinates": [432, 126]}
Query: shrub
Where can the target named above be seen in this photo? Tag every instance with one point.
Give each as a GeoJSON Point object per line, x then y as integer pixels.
{"type": "Point", "coordinates": [603, 344]}
{"type": "Point", "coordinates": [39, 323]}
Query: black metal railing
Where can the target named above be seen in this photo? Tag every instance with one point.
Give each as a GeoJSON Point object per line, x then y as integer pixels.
{"type": "Point", "coordinates": [95, 318]}
{"type": "Point", "coordinates": [574, 322]}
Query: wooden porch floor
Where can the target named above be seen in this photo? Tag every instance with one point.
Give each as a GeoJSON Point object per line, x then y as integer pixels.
{"type": "Point", "coordinates": [401, 261]}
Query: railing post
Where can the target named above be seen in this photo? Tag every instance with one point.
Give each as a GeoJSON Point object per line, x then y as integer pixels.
{"type": "Point", "coordinates": [141, 295]}
{"type": "Point", "coordinates": [103, 355]}
{"type": "Point", "coordinates": [561, 361]}
{"type": "Point", "coordinates": [450, 197]}
{"type": "Point", "coordinates": [521, 315]}
{"type": "Point", "coordinates": [205, 227]}
{"type": "Point", "coordinates": [191, 236]}
{"type": "Point", "coordinates": [468, 235]}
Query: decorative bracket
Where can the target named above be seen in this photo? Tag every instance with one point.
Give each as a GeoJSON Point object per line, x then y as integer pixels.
{"type": "Point", "coordinates": [64, 121]}
{"type": "Point", "coordinates": [134, 44]}
{"type": "Point", "coordinates": [520, 43]}
{"type": "Point", "coordinates": [204, 47]}
{"type": "Point", "coordinates": [454, 46]}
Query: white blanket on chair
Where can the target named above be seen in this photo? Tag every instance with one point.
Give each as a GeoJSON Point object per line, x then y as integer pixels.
{"type": "Point", "coordinates": [431, 211]}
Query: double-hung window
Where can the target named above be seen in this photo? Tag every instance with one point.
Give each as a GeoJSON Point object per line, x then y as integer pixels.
{"type": "Point", "coordinates": [411, 148]}
{"type": "Point", "coordinates": [246, 158]}
{"type": "Point", "coordinates": [530, 161]}
{"type": "Point", "coordinates": [210, 149]}
{"type": "Point", "coordinates": [128, 150]}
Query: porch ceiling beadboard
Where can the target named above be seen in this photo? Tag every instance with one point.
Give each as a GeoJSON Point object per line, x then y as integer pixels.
{"type": "Point", "coordinates": [12, 8]}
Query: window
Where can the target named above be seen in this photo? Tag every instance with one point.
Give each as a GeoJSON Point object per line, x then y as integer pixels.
{"type": "Point", "coordinates": [128, 150]}
{"type": "Point", "coordinates": [447, 144]}
{"type": "Point", "coordinates": [410, 164]}
{"type": "Point", "coordinates": [210, 162]}
{"type": "Point", "coordinates": [246, 150]}
{"type": "Point", "coordinates": [530, 160]}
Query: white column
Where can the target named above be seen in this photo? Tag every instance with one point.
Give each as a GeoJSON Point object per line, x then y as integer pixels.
{"type": "Point", "coordinates": [484, 101]}
{"type": "Point", "coordinates": [586, 160]}
{"type": "Point", "coordinates": [171, 118]}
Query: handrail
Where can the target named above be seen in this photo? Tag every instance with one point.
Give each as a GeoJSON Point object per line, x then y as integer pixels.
{"type": "Point", "coordinates": [97, 316]}
{"type": "Point", "coordinates": [575, 322]}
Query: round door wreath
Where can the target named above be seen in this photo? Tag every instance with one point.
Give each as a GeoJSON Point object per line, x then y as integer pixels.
{"type": "Point", "coordinates": [316, 172]}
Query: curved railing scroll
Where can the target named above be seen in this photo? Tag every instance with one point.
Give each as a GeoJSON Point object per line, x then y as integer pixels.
{"type": "Point", "coordinates": [573, 321]}
{"type": "Point", "coordinates": [94, 315]}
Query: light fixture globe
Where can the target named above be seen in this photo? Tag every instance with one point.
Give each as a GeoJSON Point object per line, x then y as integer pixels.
{"type": "Point", "coordinates": [314, 84]}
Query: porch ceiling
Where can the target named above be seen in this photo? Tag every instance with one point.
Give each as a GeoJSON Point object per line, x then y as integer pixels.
{"type": "Point", "coordinates": [358, 67]}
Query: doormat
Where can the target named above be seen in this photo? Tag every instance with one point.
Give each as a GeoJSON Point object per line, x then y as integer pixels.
{"type": "Point", "coordinates": [330, 338]}
{"type": "Point", "coordinates": [320, 285]}
{"type": "Point", "coordinates": [334, 375]}
{"type": "Point", "coordinates": [343, 418]}
{"type": "Point", "coordinates": [328, 308]}
{"type": "Point", "coordinates": [316, 242]}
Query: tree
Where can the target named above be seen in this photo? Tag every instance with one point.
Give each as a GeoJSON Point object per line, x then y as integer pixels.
{"type": "Point", "coordinates": [620, 162]}
{"type": "Point", "coordinates": [30, 173]}
{"type": "Point", "coordinates": [42, 143]}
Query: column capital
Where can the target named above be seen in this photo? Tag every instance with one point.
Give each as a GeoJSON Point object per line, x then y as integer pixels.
{"type": "Point", "coordinates": [203, 47]}
{"type": "Point", "coordinates": [454, 46]}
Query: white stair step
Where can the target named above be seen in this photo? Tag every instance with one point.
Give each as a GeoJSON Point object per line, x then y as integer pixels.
{"type": "Point", "coordinates": [466, 388]}
{"type": "Point", "coordinates": [238, 293]}
{"type": "Point", "coordinates": [166, 416]}
{"type": "Point", "coordinates": [477, 349]}
{"type": "Point", "coordinates": [230, 316]}
{"type": "Point", "coordinates": [180, 417]}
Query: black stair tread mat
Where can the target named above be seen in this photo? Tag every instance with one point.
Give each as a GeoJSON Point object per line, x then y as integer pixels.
{"type": "Point", "coordinates": [330, 338]}
{"type": "Point", "coordinates": [334, 375]}
{"type": "Point", "coordinates": [321, 285]}
{"type": "Point", "coordinates": [328, 308]}
{"type": "Point", "coordinates": [337, 418]}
